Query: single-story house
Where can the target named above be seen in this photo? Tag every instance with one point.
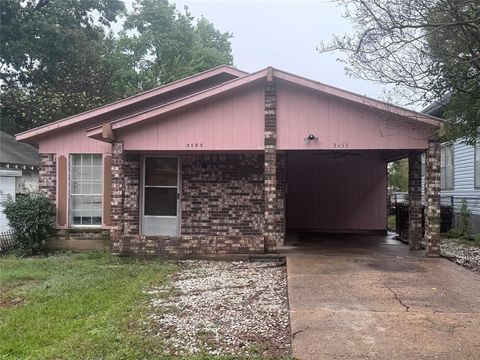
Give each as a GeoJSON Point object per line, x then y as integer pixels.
{"type": "Point", "coordinates": [460, 172]}
{"type": "Point", "coordinates": [18, 170]}
{"type": "Point", "coordinates": [229, 162]}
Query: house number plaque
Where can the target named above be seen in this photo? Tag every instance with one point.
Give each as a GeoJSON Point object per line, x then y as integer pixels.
{"type": "Point", "coordinates": [194, 145]}
{"type": "Point", "coordinates": [340, 145]}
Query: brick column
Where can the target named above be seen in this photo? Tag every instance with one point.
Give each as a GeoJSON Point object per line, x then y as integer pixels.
{"type": "Point", "coordinates": [118, 192]}
{"type": "Point", "coordinates": [270, 172]}
{"type": "Point", "coordinates": [415, 201]}
{"type": "Point", "coordinates": [131, 209]}
{"type": "Point", "coordinates": [47, 176]}
{"type": "Point", "coordinates": [432, 198]}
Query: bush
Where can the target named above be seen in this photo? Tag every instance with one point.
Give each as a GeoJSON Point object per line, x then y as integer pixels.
{"type": "Point", "coordinates": [31, 217]}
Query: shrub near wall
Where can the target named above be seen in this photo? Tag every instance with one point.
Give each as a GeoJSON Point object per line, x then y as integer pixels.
{"type": "Point", "coordinates": [31, 217]}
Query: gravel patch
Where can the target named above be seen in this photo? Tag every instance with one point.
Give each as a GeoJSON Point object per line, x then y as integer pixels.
{"type": "Point", "coordinates": [460, 253]}
{"type": "Point", "coordinates": [224, 308]}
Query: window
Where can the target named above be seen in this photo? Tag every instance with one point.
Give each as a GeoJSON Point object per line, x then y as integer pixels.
{"type": "Point", "coordinates": [477, 166]}
{"type": "Point", "coordinates": [446, 174]}
{"type": "Point", "coordinates": [161, 182]}
{"type": "Point", "coordinates": [86, 189]}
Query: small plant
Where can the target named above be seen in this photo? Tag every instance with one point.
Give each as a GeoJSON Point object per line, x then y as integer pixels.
{"type": "Point", "coordinates": [464, 220]}
{"type": "Point", "coordinates": [31, 217]}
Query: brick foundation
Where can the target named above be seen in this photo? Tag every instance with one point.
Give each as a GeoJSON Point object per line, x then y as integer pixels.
{"type": "Point", "coordinates": [83, 234]}
{"type": "Point", "coordinates": [188, 245]}
{"type": "Point", "coordinates": [47, 176]}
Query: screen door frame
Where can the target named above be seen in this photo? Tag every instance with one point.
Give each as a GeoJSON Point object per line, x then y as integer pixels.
{"type": "Point", "coordinates": [173, 219]}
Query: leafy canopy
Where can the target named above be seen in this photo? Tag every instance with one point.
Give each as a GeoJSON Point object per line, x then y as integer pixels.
{"type": "Point", "coordinates": [60, 57]}
{"type": "Point", "coordinates": [398, 175]}
{"type": "Point", "coordinates": [428, 49]}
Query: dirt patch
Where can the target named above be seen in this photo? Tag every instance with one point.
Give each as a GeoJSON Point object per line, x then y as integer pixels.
{"type": "Point", "coordinates": [224, 308]}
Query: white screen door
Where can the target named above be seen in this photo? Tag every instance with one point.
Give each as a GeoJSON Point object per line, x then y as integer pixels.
{"type": "Point", "coordinates": [160, 209]}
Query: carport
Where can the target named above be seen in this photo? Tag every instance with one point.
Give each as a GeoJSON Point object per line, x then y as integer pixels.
{"type": "Point", "coordinates": [336, 146]}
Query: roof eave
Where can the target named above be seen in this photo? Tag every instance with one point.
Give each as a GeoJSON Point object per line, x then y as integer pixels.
{"type": "Point", "coordinates": [90, 114]}
{"type": "Point", "coordinates": [96, 132]}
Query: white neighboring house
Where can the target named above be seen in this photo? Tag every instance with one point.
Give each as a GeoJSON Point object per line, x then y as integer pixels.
{"type": "Point", "coordinates": [18, 170]}
{"type": "Point", "coordinates": [460, 173]}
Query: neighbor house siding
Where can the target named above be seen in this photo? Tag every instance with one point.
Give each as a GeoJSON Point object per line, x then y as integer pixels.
{"type": "Point", "coordinates": [464, 179]}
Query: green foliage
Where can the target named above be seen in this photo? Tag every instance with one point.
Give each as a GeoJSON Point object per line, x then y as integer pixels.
{"type": "Point", "coordinates": [427, 51]}
{"type": "Point", "coordinates": [31, 217]}
{"type": "Point", "coordinates": [60, 59]}
{"type": "Point", "coordinates": [167, 45]}
{"type": "Point", "coordinates": [78, 306]}
{"type": "Point", "coordinates": [53, 59]}
{"type": "Point", "coordinates": [398, 175]}
{"type": "Point", "coordinates": [392, 223]}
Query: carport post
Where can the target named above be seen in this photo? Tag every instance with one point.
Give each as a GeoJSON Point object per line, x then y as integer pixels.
{"type": "Point", "coordinates": [415, 201]}
{"type": "Point", "coordinates": [432, 199]}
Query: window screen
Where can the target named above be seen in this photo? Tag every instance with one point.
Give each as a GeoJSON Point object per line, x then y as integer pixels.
{"type": "Point", "coordinates": [86, 189]}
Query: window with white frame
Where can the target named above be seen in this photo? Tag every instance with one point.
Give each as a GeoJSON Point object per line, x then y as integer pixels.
{"type": "Point", "coordinates": [86, 189]}
{"type": "Point", "coordinates": [477, 166]}
{"type": "Point", "coordinates": [446, 173]}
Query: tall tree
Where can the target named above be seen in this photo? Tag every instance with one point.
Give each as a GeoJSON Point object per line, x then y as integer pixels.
{"type": "Point", "coordinates": [52, 59]}
{"type": "Point", "coordinates": [163, 44]}
{"type": "Point", "coordinates": [57, 58]}
{"type": "Point", "coordinates": [428, 49]}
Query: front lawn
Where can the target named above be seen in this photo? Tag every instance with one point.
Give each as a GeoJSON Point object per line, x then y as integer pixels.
{"type": "Point", "coordinates": [77, 306]}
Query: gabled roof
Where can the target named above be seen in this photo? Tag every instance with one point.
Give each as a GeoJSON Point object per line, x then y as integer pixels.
{"type": "Point", "coordinates": [14, 152]}
{"type": "Point", "coordinates": [239, 79]}
{"type": "Point", "coordinates": [223, 70]}
{"type": "Point", "coordinates": [267, 74]}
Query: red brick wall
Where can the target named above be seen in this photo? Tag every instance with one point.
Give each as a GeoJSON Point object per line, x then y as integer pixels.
{"type": "Point", "coordinates": [222, 206]}
{"type": "Point", "coordinates": [222, 195]}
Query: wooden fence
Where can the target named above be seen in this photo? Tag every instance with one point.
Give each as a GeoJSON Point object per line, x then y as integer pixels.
{"type": "Point", "coordinates": [7, 242]}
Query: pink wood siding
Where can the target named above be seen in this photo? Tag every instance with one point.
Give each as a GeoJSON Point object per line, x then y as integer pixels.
{"type": "Point", "coordinates": [72, 141]}
{"type": "Point", "coordinates": [347, 195]}
{"type": "Point", "coordinates": [230, 122]}
{"type": "Point", "coordinates": [301, 112]}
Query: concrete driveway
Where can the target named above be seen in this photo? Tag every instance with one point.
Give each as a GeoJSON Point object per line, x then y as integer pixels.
{"type": "Point", "coordinates": [367, 297]}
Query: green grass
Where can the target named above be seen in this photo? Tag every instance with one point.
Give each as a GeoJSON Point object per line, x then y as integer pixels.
{"type": "Point", "coordinates": [77, 306]}
{"type": "Point", "coordinates": [391, 223]}
{"type": "Point", "coordinates": [470, 241]}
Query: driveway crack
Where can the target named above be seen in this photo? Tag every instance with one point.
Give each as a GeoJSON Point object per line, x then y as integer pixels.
{"type": "Point", "coordinates": [396, 297]}
{"type": "Point", "coordinates": [297, 332]}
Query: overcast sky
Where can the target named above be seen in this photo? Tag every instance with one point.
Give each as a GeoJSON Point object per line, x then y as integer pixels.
{"type": "Point", "coordinates": [284, 34]}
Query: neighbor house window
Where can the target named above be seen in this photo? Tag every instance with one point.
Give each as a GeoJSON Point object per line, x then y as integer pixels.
{"type": "Point", "coordinates": [86, 189]}
{"type": "Point", "coordinates": [477, 166]}
{"type": "Point", "coordinates": [446, 174]}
